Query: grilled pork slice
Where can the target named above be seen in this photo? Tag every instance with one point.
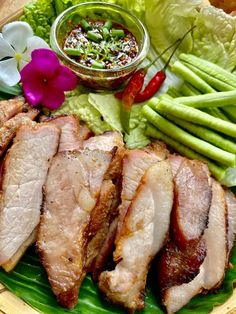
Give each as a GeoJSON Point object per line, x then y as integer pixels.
{"type": "Point", "coordinates": [71, 192]}
{"type": "Point", "coordinates": [9, 108]}
{"type": "Point", "coordinates": [12, 262]}
{"type": "Point", "coordinates": [84, 131]}
{"type": "Point", "coordinates": [134, 165]}
{"type": "Point", "coordinates": [24, 173]}
{"type": "Point", "coordinates": [231, 206]}
{"type": "Point", "coordinates": [69, 126]}
{"type": "Point", "coordinates": [105, 210]}
{"type": "Point", "coordinates": [213, 268]}
{"type": "Point", "coordinates": [101, 218]}
{"type": "Point", "coordinates": [192, 201]}
{"type": "Point", "coordinates": [143, 233]}
{"type": "Point", "coordinates": [107, 142]}
{"type": "Point", "coordinates": [10, 127]}
{"type": "Point", "coordinates": [180, 260]}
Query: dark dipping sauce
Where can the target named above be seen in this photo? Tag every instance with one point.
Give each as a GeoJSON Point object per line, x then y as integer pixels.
{"type": "Point", "coordinates": [101, 44]}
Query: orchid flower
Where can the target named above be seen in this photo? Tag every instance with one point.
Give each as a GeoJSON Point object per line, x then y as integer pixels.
{"type": "Point", "coordinates": [16, 44]}
{"type": "Point", "coordinates": [44, 79]}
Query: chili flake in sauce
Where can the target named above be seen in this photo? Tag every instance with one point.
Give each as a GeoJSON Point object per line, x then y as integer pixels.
{"type": "Point", "coordinates": [101, 44]}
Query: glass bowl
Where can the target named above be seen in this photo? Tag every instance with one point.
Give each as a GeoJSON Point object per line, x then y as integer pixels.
{"type": "Point", "coordinates": [99, 79]}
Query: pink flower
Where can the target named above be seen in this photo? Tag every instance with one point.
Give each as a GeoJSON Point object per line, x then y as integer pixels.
{"type": "Point", "coordinates": [44, 79]}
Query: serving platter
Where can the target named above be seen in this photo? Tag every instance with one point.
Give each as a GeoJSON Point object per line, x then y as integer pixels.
{"type": "Point", "coordinates": [9, 303]}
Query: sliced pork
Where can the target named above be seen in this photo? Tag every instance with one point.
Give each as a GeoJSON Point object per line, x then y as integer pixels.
{"type": "Point", "coordinates": [69, 126]}
{"type": "Point", "coordinates": [12, 262]}
{"type": "Point", "coordinates": [101, 218]}
{"type": "Point", "coordinates": [10, 127]}
{"type": "Point", "coordinates": [105, 211]}
{"type": "Point", "coordinates": [142, 235]}
{"type": "Point", "coordinates": [107, 142]}
{"type": "Point", "coordinates": [192, 201]}
{"type": "Point", "coordinates": [231, 206]}
{"type": "Point", "coordinates": [134, 165]}
{"type": "Point", "coordinates": [24, 173]}
{"type": "Point", "coordinates": [71, 192]}
{"type": "Point", "coordinates": [180, 261]}
{"type": "Point", "coordinates": [9, 108]}
{"type": "Point", "coordinates": [213, 268]}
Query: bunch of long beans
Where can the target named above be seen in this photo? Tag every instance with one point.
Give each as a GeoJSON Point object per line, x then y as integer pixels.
{"type": "Point", "coordinates": [198, 119]}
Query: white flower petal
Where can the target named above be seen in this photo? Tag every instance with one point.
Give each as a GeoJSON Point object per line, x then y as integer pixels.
{"type": "Point", "coordinates": [33, 43]}
{"type": "Point", "coordinates": [9, 75]}
{"type": "Point", "coordinates": [6, 49]}
{"type": "Point", "coordinates": [17, 33]}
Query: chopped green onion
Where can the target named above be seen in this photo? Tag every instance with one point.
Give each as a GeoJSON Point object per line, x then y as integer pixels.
{"type": "Point", "coordinates": [73, 51]}
{"type": "Point", "coordinates": [105, 33]}
{"type": "Point", "coordinates": [216, 170]}
{"type": "Point", "coordinates": [118, 33]}
{"type": "Point", "coordinates": [108, 25]}
{"type": "Point", "coordinates": [189, 76]}
{"type": "Point", "coordinates": [94, 36]}
{"type": "Point", "coordinates": [187, 139]}
{"type": "Point", "coordinates": [86, 26]}
{"type": "Point", "coordinates": [194, 115]}
{"type": "Point", "coordinates": [219, 99]}
{"type": "Point", "coordinates": [97, 65]}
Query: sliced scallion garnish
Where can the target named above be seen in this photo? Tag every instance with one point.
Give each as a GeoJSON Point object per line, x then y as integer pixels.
{"type": "Point", "coordinates": [94, 36]}
{"type": "Point", "coordinates": [118, 33]}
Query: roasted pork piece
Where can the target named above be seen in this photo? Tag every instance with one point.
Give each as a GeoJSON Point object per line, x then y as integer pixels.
{"type": "Point", "coordinates": [107, 142]}
{"type": "Point", "coordinates": [12, 262]}
{"type": "Point", "coordinates": [143, 233]}
{"type": "Point", "coordinates": [134, 165]}
{"type": "Point", "coordinates": [10, 127]}
{"type": "Point", "coordinates": [231, 207]}
{"type": "Point", "coordinates": [24, 172]}
{"type": "Point", "coordinates": [213, 268]}
{"type": "Point", "coordinates": [9, 108]}
{"type": "Point", "coordinates": [71, 191]}
{"type": "Point", "coordinates": [180, 260]}
{"type": "Point", "coordinates": [69, 126]}
{"type": "Point", "coordinates": [192, 201]}
{"type": "Point", "coordinates": [105, 211]}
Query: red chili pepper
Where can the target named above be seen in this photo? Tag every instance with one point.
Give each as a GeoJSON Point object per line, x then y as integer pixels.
{"type": "Point", "coordinates": [128, 96]}
{"type": "Point", "coordinates": [133, 88]}
{"type": "Point", "coordinates": [152, 87]}
{"type": "Point", "coordinates": [156, 82]}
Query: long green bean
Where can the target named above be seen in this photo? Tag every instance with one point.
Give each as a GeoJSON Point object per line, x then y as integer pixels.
{"type": "Point", "coordinates": [216, 170]}
{"type": "Point", "coordinates": [187, 139]}
{"type": "Point", "coordinates": [214, 82]}
{"type": "Point", "coordinates": [205, 134]}
{"type": "Point", "coordinates": [189, 76]}
{"type": "Point", "coordinates": [219, 99]}
{"type": "Point", "coordinates": [194, 115]}
{"type": "Point", "coordinates": [210, 68]}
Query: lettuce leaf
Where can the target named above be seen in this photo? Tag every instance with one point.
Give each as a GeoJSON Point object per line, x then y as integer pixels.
{"type": "Point", "coordinates": [168, 20]}
{"type": "Point", "coordinates": [213, 39]}
{"type": "Point", "coordinates": [109, 108]}
{"type": "Point", "coordinates": [137, 7]}
{"type": "Point", "coordinates": [80, 105]}
{"type": "Point", "coordinates": [40, 14]}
